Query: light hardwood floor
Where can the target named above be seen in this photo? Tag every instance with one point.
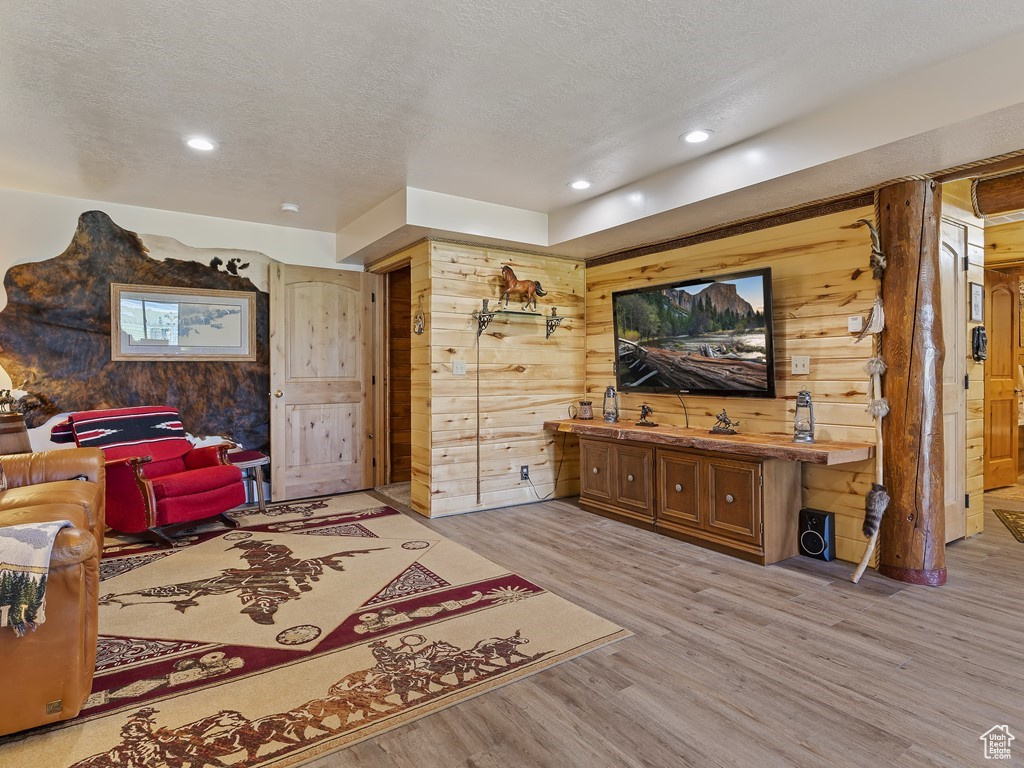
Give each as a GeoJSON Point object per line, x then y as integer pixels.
{"type": "Point", "coordinates": [734, 664]}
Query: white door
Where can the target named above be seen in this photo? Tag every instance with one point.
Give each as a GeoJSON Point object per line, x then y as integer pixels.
{"type": "Point", "coordinates": [321, 381]}
{"type": "Point", "coordinates": [953, 285]}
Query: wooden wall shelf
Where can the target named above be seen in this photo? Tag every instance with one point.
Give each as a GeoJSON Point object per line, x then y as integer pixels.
{"type": "Point", "coordinates": [758, 445]}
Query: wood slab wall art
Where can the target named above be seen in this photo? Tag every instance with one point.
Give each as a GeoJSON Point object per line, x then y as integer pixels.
{"type": "Point", "coordinates": [55, 338]}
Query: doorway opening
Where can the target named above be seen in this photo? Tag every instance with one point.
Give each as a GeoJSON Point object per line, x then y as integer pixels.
{"type": "Point", "coordinates": [398, 381]}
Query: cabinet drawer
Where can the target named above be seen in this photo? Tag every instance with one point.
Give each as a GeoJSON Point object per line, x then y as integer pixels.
{"type": "Point", "coordinates": [734, 499]}
{"type": "Point", "coordinates": [633, 481]}
{"type": "Point", "coordinates": [596, 470]}
{"type": "Point", "coordinates": [678, 489]}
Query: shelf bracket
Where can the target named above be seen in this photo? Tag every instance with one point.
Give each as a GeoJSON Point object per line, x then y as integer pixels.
{"type": "Point", "coordinates": [483, 319]}
{"type": "Point", "coordinates": [552, 322]}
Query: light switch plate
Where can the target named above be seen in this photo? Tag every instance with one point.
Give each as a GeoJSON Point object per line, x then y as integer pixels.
{"type": "Point", "coordinates": [459, 368]}
{"type": "Point", "coordinates": [855, 323]}
{"type": "Point", "coordinates": [801, 364]}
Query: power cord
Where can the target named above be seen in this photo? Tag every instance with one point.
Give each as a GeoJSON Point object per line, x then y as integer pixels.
{"type": "Point", "coordinates": [686, 413]}
{"type": "Point", "coordinates": [558, 473]}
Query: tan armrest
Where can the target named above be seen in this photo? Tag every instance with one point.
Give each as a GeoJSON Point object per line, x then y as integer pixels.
{"type": "Point", "coordinates": [48, 466]}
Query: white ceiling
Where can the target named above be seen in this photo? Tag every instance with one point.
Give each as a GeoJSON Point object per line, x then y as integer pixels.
{"type": "Point", "coordinates": [339, 105]}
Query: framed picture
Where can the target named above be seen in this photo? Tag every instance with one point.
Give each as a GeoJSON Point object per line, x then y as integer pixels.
{"type": "Point", "coordinates": [977, 303]}
{"type": "Point", "coordinates": [151, 322]}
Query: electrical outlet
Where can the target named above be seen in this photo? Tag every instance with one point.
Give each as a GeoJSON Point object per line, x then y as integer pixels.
{"type": "Point", "coordinates": [855, 323]}
{"type": "Point", "coordinates": [801, 364]}
{"type": "Point", "coordinates": [458, 368]}
{"type": "Point", "coordinates": [524, 472]}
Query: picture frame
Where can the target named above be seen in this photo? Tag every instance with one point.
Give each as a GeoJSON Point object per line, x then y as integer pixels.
{"type": "Point", "coordinates": [977, 303]}
{"type": "Point", "coordinates": [152, 322]}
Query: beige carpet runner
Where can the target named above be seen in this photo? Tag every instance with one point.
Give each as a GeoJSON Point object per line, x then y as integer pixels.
{"type": "Point", "coordinates": [313, 626]}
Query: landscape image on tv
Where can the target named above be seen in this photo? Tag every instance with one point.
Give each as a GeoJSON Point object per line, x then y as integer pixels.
{"type": "Point", "coordinates": [705, 336]}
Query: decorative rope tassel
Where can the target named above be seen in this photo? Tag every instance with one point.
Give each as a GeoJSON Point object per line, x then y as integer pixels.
{"type": "Point", "coordinates": [878, 408]}
{"type": "Point", "coordinates": [875, 366]}
{"type": "Point", "coordinates": [877, 500]}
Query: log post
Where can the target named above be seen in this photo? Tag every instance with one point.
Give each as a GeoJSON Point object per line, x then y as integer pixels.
{"type": "Point", "coordinates": [912, 539]}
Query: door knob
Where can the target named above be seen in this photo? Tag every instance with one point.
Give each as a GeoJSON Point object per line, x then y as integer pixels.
{"type": "Point", "coordinates": [629, 478]}
{"type": "Point", "coordinates": [730, 498]}
{"type": "Point", "coordinates": [595, 470]}
{"type": "Point", "coordinates": [678, 488]}
{"type": "Point", "coordinates": [278, 393]}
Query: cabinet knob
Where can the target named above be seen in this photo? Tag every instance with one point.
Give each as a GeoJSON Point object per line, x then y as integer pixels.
{"type": "Point", "coordinates": [595, 470]}
{"type": "Point", "coordinates": [730, 498]}
{"type": "Point", "coordinates": [678, 488]}
{"type": "Point", "coordinates": [629, 478]}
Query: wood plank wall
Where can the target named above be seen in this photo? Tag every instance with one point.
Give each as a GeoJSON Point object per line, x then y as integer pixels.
{"type": "Point", "coordinates": [820, 276]}
{"type": "Point", "coordinates": [956, 204]}
{"type": "Point", "coordinates": [525, 379]}
{"type": "Point", "coordinates": [419, 355]}
{"type": "Point", "coordinates": [400, 374]}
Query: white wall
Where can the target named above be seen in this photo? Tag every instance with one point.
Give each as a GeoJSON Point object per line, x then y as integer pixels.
{"type": "Point", "coordinates": [35, 227]}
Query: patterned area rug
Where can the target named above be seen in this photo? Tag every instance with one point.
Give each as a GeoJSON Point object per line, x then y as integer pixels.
{"type": "Point", "coordinates": [1014, 521]}
{"type": "Point", "coordinates": [313, 626]}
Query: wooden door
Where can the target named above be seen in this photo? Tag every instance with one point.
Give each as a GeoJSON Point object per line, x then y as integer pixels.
{"type": "Point", "coordinates": [1002, 321]}
{"type": "Point", "coordinates": [953, 301]}
{"type": "Point", "coordinates": [321, 374]}
{"type": "Point", "coordinates": [678, 488]}
{"type": "Point", "coordinates": [734, 499]}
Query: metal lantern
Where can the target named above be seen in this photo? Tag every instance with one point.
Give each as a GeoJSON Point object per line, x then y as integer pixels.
{"type": "Point", "coordinates": [803, 419]}
{"type": "Point", "coordinates": [610, 406]}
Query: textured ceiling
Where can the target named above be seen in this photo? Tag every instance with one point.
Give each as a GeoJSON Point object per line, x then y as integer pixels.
{"type": "Point", "coordinates": [336, 105]}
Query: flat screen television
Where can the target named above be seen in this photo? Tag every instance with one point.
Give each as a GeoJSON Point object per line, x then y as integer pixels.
{"type": "Point", "coordinates": [706, 336]}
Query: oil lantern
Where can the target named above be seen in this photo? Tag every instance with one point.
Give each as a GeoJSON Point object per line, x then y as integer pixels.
{"type": "Point", "coordinates": [610, 406]}
{"type": "Point", "coordinates": [803, 419]}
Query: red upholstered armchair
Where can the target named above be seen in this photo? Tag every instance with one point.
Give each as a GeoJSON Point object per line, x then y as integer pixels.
{"type": "Point", "coordinates": [157, 481]}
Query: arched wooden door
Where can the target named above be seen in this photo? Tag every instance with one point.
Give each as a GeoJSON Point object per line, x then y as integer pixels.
{"type": "Point", "coordinates": [1002, 320]}
{"type": "Point", "coordinates": [321, 381]}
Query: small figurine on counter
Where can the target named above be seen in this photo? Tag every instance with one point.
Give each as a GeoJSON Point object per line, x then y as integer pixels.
{"type": "Point", "coordinates": [724, 425]}
{"type": "Point", "coordinates": [645, 411]}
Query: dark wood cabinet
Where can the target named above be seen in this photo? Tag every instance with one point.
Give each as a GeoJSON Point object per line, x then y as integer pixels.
{"type": "Point", "coordinates": [746, 507]}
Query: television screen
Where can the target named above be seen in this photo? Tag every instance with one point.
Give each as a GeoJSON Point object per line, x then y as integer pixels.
{"type": "Point", "coordinates": [707, 336]}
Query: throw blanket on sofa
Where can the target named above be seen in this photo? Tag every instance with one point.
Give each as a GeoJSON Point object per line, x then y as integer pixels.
{"type": "Point", "coordinates": [24, 565]}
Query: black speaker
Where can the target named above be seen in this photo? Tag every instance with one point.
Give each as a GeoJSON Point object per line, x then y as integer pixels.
{"type": "Point", "coordinates": [817, 534]}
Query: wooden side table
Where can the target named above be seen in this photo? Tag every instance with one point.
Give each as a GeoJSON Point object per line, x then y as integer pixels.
{"type": "Point", "coordinates": [251, 463]}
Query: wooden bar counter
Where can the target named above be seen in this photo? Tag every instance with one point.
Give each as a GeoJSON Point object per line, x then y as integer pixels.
{"type": "Point", "coordinates": [738, 494]}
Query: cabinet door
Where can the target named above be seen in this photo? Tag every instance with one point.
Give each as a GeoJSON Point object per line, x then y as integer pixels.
{"type": "Point", "coordinates": [596, 470]}
{"type": "Point", "coordinates": [678, 489]}
{"type": "Point", "coordinates": [634, 484]}
{"type": "Point", "coordinates": [734, 496]}
{"type": "Point", "coordinates": [634, 481]}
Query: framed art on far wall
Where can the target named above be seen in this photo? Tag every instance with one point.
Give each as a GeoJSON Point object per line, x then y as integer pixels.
{"type": "Point", "coordinates": [152, 322]}
{"type": "Point", "coordinates": [977, 303]}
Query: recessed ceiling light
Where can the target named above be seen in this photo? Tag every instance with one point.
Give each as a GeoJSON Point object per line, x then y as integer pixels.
{"type": "Point", "coordinates": [697, 136]}
{"type": "Point", "coordinates": [201, 143]}
{"type": "Point", "coordinates": [289, 207]}
{"type": "Point", "coordinates": [580, 184]}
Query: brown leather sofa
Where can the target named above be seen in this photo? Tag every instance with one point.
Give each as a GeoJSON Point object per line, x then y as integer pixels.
{"type": "Point", "coordinates": [47, 674]}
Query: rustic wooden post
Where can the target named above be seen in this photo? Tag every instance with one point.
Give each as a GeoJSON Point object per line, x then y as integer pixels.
{"type": "Point", "coordinates": [912, 539]}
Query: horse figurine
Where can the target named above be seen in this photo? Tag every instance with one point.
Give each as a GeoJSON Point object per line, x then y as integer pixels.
{"type": "Point", "coordinates": [529, 288]}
